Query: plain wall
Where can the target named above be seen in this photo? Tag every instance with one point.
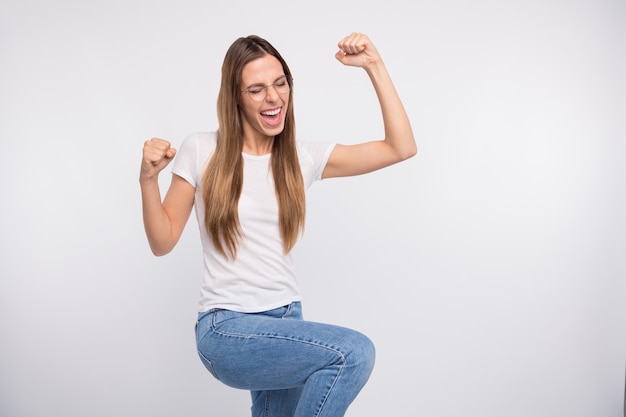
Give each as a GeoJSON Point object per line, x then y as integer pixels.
{"type": "Point", "coordinates": [489, 270]}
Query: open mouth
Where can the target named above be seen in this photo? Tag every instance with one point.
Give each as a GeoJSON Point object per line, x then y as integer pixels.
{"type": "Point", "coordinates": [272, 116]}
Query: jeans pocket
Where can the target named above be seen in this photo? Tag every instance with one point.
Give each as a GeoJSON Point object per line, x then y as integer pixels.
{"type": "Point", "coordinates": [293, 311]}
{"type": "Point", "coordinates": [208, 365]}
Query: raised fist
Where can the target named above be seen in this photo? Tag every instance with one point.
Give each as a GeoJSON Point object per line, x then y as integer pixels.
{"type": "Point", "coordinates": [157, 154]}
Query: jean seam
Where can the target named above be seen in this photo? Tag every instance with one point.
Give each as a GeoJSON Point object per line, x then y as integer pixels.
{"type": "Point", "coordinates": [267, 404]}
{"type": "Point", "coordinates": [329, 389]}
{"type": "Point", "coordinates": [277, 336]}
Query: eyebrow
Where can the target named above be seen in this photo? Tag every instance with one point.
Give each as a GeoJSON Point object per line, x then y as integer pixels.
{"type": "Point", "coordinates": [263, 85]}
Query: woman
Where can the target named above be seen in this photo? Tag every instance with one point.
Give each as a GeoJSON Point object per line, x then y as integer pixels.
{"type": "Point", "coordinates": [247, 182]}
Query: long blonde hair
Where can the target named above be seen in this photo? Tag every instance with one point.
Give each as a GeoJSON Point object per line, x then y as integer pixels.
{"type": "Point", "coordinates": [223, 179]}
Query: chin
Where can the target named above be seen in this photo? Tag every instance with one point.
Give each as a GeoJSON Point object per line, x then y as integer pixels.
{"type": "Point", "coordinates": [273, 131]}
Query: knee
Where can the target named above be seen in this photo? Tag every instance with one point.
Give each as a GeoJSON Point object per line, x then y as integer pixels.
{"type": "Point", "coordinates": [369, 352]}
{"type": "Point", "coordinates": [363, 353]}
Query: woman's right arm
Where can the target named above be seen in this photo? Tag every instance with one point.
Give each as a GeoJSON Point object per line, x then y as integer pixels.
{"type": "Point", "coordinates": [165, 220]}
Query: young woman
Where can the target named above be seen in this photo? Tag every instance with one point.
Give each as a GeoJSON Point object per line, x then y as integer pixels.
{"type": "Point", "coordinates": [247, 182]}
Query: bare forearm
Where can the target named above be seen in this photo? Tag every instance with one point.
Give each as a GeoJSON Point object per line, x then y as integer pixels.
{"type": "Point", "coordinates": [156, 222]}
{"type": "Point", "coordinates": [398, 131]}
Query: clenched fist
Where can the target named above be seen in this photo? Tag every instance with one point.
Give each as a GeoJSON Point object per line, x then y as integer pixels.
{"type": "Point", "coordinates": [357, 50]}
{"type": "Point", "coordinates": [157, 154]}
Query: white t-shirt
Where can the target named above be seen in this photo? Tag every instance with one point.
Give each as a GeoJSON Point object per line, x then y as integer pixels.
{"type": "Point", "coordinates": [262, 276]}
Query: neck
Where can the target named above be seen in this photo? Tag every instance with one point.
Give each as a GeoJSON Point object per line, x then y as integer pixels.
{"type": "Point", "coordinates": [258, 146]}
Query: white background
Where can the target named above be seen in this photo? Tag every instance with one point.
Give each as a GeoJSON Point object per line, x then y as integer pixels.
{"type": "Point", "coordinates": [489, 270]}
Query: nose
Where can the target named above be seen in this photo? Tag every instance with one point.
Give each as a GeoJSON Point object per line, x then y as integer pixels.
{"type": "Point", "coordinates": [271, 93]}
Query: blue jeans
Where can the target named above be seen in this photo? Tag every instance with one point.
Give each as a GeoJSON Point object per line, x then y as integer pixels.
{"type": "Point", "coordinates": [292, 367]}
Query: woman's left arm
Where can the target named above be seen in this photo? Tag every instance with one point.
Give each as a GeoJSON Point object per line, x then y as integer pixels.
{"type": "Point", "coordinates": [399, 144]}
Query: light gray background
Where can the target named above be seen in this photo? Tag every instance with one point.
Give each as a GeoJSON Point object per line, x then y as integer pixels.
{"type": "Point", "coordinates": [489, 270]}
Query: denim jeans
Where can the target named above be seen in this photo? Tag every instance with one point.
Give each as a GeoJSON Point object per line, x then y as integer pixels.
{"type": "Point", "coordinates": [292, 367]}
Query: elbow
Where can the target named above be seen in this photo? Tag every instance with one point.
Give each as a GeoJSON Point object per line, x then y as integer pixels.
{"type": "Point", "coordinates": [159, 251]}
{"type": "Point", "coordinates": [160, 245]}
{"type": "Point", "coordinates": [409, 152]}
{"type": "Point", "coordinates": [406, 147]}
{"type": "Point", "coordinates": [412, 151]}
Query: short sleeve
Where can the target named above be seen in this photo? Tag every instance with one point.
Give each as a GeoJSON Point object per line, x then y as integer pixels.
{"type": "Point", "coordinates": [193, 155]}
{"type": "Point", "coordinates": [185, 164]}
{"type": "Point", "coordinates": [313, 158]}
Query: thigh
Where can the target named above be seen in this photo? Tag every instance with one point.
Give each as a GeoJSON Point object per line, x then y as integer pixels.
{"type": "Point", "coordinates": [273, 350]}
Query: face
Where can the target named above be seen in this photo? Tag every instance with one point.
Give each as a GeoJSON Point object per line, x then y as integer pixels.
{"type": "Point", "coordinates": [258, 78]}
